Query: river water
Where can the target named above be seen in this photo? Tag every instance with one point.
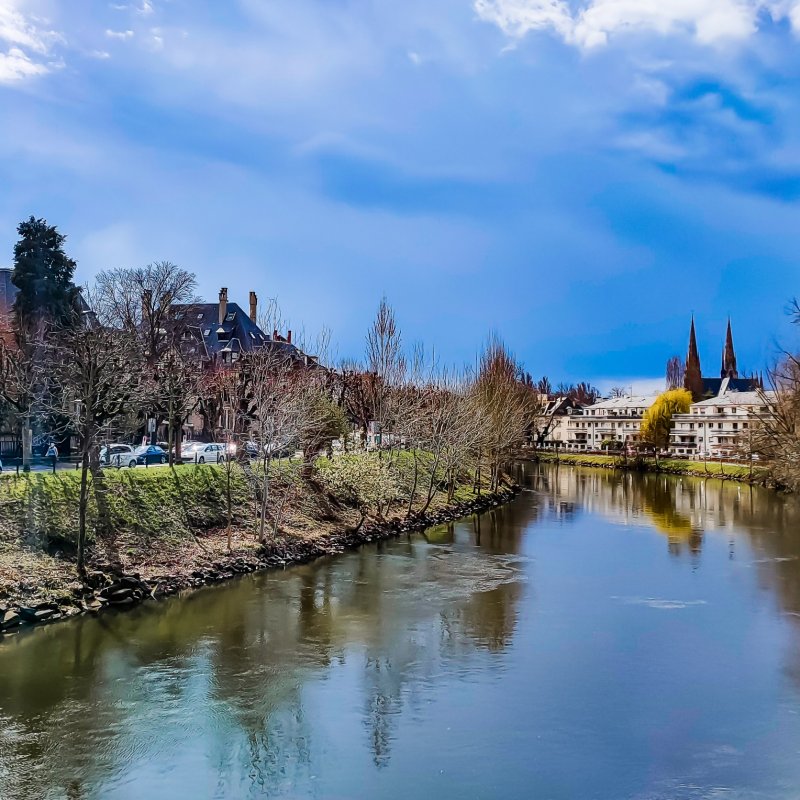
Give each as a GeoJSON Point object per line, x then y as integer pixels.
{"type": "Point", "coordinates": [604, 636]}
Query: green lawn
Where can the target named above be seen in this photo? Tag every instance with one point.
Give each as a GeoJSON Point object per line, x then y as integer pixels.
{"type": "Point", "coordinates": [667, 465]}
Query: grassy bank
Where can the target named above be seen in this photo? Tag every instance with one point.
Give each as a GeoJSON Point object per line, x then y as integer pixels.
{"type": "Point", "coordinates": [736, 472]}
{"type": "Point", "coordinates": [167, 523]}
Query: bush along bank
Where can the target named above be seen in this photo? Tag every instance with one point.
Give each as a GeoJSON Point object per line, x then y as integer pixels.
{"type": "Point", "coordinates": [697, 469]}
{"type": "Point", "coordinates": [147, 560]}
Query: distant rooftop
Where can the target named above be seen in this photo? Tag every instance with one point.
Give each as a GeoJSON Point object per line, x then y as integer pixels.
{"type": "Point", "coordinates": [629, 401]}
{"type": "Point", "coordinates": [734, 398]}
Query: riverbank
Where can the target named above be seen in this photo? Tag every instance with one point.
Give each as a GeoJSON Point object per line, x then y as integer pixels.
{"type": "Point", "coordinates": [170, 534]}
{"type": "Point", "coordinates": [696, 469]}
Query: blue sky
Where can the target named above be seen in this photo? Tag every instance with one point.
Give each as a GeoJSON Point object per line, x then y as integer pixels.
{"type": "Point", "coordinates": [578, 175]}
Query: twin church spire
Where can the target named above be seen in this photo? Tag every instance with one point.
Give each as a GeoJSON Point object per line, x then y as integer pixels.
{"type": "Point", "coordinates": [693, 376]}
{"type": "Point", "coordinates": [729, 356]}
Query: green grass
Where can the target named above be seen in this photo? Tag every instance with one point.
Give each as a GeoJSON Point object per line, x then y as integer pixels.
{"type": "Point", "coordinates": [146, 502]}
{"type": "Point", "coordinates": [170, 504]}
{"type": "Point", "coordinates": [678, 466]}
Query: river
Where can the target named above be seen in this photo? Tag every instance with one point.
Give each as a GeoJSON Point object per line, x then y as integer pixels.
{"type": "Point", "coordinates": [604, 636]}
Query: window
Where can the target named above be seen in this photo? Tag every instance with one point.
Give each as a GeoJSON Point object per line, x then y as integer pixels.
{"type": "Point", "coordinates": [207, 332]}
{"type": "Point", "coordinates": [231, 317]}
{"type": "Point", "coordinates": [200, 315]}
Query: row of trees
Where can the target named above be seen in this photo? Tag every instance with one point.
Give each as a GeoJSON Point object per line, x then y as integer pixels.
{"type": "Point", "coordinates": [97, 364]}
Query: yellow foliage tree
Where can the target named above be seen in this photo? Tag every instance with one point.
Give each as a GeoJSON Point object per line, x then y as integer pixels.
{"type": "Point", "coordinates": [657, 420]}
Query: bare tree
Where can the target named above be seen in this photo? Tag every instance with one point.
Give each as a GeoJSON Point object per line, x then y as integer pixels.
{"type": "Point", "coordinates": [94, 373]}
{"type": "Point", "coordinates": [384, 360]}
{"type": "Point", "coordinates": [274, 416]}
{"type": "Point", "coordinates": [172, 389]}
{"type": "Point", "coordinates": [675, 372]}
{"type": "Point", "coordinates": [503, 406]}
{"type": "Point", "coordinates": [143, 301]}
{"type": "Point", "coordinates": [24, 381]}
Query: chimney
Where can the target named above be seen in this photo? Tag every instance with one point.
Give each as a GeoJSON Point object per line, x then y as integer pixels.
{"type": "Point", "coordinates": [253, 307]}
{"type": "Point", "coordinates": [147, 301]}
{"type": "Point", "coordinates": [223, 304]}
{"type": "Point", "coordinates": [275, 334]}
{"type": "Point", "coordinates": [289, 337]}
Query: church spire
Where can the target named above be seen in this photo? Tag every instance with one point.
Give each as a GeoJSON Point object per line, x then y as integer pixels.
{"type": "Point", "coordinates": [692, 376]}
{"type": "Point", "coordinates": [729, 356]}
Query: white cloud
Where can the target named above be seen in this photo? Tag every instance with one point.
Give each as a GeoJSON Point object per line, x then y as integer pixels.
{"type": "Point", "coordinates": [22, 32]}
{"type": "Point", "coordinates": [23, 35]}
{"type": "Point", "coordinates": [144, 7]}
{"type": "Point", "coordinates": [119, 34]}
{"type": "Point", "coordinates": [590, 23]}
{"type": "Point", "coordinates": [15, 65]}
{"type": "Point", "coordinates": [156, 38]}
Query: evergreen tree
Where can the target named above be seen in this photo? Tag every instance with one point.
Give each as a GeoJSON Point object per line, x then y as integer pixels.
{"type": "Point", "coordinates": [43, 275]}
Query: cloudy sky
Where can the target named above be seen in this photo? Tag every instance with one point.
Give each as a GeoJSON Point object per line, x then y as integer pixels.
{"type": "Point", "coordinates": [580, 175]}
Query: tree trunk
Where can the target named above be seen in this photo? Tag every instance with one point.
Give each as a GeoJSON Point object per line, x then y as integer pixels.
{"type": "Point", "coordinates": [178, 436]}
{"type": "Point", "coordinates": [228, 467]}
{"type": "Point", "coordinates": [27, 443]}
{"type": "Point", "coordinates": [414, 484]}
{"type": "Point", "coordinates": [82, 506]}
{"type": "Point", "coordinates": [264, 498]}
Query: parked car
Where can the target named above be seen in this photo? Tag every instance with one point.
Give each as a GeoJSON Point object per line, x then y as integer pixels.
{"type": "Point", "coordinates": [148, 454]}
{"type": "Point", "coordinates": [116, 454]}
{"type": "Point", "coordinates": [204, 453]}
{"type": "Point", "coordinates": [275, 449]}
{"type": "Point", "coordinates": [250, 449]}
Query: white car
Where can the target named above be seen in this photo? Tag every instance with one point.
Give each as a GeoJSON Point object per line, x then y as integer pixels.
{"type": "Point", "coordinates": [204, 453]}
{"type": "Point", "coordinates": [116, 454]}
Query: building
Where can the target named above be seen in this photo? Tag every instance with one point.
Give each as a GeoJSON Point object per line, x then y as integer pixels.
{"type": "Point", "coordinates": [611, 423]}
{"type": "Point", "coordinates": [551, 428]}
{"type": "Point", "coordinates": [704, 386]}
{"type": "Point", "coordinates": [721, 426]}
{"type": "Point", "coordinates": [218, 334]}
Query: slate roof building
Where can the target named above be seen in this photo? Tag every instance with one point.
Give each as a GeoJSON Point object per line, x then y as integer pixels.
{"type": "Point", "coordinates": [220, 333]}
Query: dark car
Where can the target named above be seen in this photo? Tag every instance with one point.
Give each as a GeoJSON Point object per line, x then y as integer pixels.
{"type": "Point", "coordinates": [150, 454]}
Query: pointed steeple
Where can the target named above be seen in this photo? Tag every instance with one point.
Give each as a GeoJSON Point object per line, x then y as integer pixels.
{"type": "Point", "coordinates": [729, 356]}
{"type": "Point", "coordinates": [692, 376]}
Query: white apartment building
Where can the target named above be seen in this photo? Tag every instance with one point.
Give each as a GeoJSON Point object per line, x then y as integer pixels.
{"type": "Point", "coordinates": [721, 426]}
{"type": "Point", "coordinates": [617, 419]}
{"type": "Point", "coordinates": [551, 429]}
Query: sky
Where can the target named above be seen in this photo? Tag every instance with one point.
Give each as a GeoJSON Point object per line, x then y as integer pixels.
{"type": "Point", "coordinates": [580, 176]}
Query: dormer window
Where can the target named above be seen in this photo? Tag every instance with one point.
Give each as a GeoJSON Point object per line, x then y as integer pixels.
{"type": "Point", "coordinates": [207, 332]}
{"type": "Point", "coordinates": [200, 315]}
{"type": "Point", "coordinates": [231, 317]}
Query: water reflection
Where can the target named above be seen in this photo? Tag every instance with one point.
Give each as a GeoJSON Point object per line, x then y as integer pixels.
{"type": "Point", "coordinates": [87, 701]}
{"type": "Point", "coordinates": [318, 681]}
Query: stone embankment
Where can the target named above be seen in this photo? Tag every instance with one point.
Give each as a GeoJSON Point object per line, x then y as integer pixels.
{"type": "Point", "coordinates": [106, 590]}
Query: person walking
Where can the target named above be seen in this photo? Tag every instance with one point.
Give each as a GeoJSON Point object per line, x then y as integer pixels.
{"type": "Point", "coordinates": [52, 453]}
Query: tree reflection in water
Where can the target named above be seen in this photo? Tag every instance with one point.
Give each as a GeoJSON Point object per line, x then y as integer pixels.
{"type": "Point", "coordinates": [84, 702]}
{"type": "Point", "coordinates": [254, 687]}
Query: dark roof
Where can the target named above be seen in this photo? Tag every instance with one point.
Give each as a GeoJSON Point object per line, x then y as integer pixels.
{"type": "Point", "coordinates": [237, 333]}
{"type": "Point", "coordinates": [712, 386]}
